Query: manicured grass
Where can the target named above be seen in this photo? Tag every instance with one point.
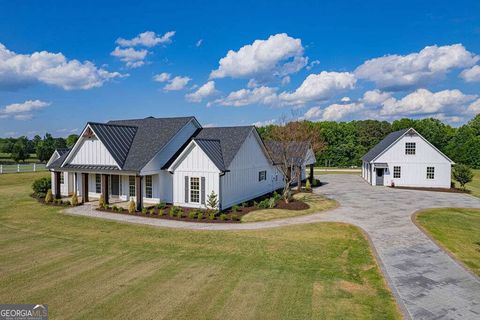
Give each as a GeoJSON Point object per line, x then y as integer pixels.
{"type": "Point", "coordinates": [473, 186]}
{"type": "Point", "coordinates": [316, 202]}
{"type": "Point", "coordinates": [87, 268]}
{"type": "Point", "coordinates": [458, 230]}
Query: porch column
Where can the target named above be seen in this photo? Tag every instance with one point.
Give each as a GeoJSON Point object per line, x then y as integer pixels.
{"type": "Point", "coordinates": [138, 192]}
{"type": "Point", "coordinates": [75, 183]}
{"type": "Point", "coordinates": [105, 188]}
{"type": "Point", "coordinates": [84, 187]}
{"type": "Point", "coordinates": [311, 174]}
{"type": "Point", "coordinates": [57, 184]}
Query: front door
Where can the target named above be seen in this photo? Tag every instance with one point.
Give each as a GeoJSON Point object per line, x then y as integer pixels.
{"type": "Point", "coordinates": [115, 185]}
{"type": "Point", "coordinates": [379, 180]}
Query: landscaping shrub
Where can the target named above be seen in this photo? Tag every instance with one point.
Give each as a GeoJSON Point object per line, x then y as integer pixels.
{"type": "Point", "coordinates": [211, 216]}
{"type": "Point", "coordinates": [212, 200]}
{"type": "Point", "coordinates": [192, 214]}
{"type": "Point", "coordinates": [223, 217]}
{"type": "Point", "coordinates": [144, 211]}
{"type": "Point", "coordinates": [200, 216]}
{"type": "Point", "coordinates": [315, 182]}
{"type": "Point", "coordinates": [272, 202]}
{"type": "Point", "coordinates": [41, 186]}
{"type": "Point", "coordinates": [154, 211]}
{"type": "Point", "coordinates": [234, 217]}
{"type": "Point", "coordinates": [264, 204]}
{"type": "Point", "coordinates": [101, 202]}
{"type": "Point", "coordinates": [67, 202]}
{"type": "Point", "coordinates": [131, 207]}
{"type": "Point", "coordinates": [161, 205]}
{"type": "Point", "coordinates": [179, 213]}
{"type": "Point", "coordinates": [176, 212]}
{"type": "Point", "coordinates": [235, 208]}
{"type": "Point", "coordinates": [308, 187]}
{"type": "Point", "coordinates": [463, 174]}
{"type": "Point", "coordinates": [74, 200]}
{"type": "Point", "coordinates": [114, 208]}
{"type": "Point", "coordinates": [49, 196]}
{"type": "Point", "coordinates": [245, 204]}
{"type": "Point", "coordinates": [276, 196]}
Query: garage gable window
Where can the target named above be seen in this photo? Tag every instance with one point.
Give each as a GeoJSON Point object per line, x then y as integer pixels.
{"type": "Point", "coordinates": [430, 173]}
{"type": "Point", "coordinates": [410, 147]}
{"type": "Point", "coordinates": [397, 172]}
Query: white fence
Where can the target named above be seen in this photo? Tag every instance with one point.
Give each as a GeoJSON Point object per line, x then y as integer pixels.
{"type": "Point", "coordinates": [28, 167]}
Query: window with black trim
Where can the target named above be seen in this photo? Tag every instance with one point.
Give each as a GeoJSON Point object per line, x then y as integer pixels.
{"type": "Point", "coordinates": [148, 186]}
{"type": "Point", "coordinates": [131, 186]}
{"type": "Point", "coordinates": [262, 175]}
{"type": "Point", "coordinates": [410, 147]}
{"type": "Point", "coordinates": [430, 173]}
{"type": "Point", "coordinates": [98, 183]}
{"type": "Point", "coordinates": [397, 172]}
{"type": "Point", "coordinates": [195, 189]}
{"type": "Point", "coordinates": [62, 178]}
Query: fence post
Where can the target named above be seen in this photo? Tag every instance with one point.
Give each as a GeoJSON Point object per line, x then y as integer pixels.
{"type": "Point", "coordinates": [34, 167]}
{"type": "Point", "coordinates": [18, 167]}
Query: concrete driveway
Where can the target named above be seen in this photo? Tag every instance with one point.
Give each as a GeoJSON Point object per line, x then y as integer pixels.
{"type": "Point", "coordinates": [429, 283]}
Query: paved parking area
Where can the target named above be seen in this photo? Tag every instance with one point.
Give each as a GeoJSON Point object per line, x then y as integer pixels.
{"type": "Point", "coordinates": [428, 281]}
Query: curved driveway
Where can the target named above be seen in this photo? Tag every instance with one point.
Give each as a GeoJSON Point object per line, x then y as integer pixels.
{"type": "Point", "coordinates": [426, 281]}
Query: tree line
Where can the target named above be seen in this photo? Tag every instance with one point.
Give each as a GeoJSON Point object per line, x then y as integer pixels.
{"type": "Point", "coordinates": [20, 149]}
{"type": "Point", "coordinates": [346, 142]}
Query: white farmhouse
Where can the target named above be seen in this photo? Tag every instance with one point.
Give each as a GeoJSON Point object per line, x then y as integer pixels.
{"type": "Point", "coordinates": [173, 160]}
{"type": "Point", "coordinates": [406, 158]}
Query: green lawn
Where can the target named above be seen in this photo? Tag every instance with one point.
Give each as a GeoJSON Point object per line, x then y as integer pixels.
{"type": "Point", "coordinates": [458, 230]}
{"type": "Point", "coordinates": [87, 268]}
{"type": "Point", "coordinates": [316, 202]}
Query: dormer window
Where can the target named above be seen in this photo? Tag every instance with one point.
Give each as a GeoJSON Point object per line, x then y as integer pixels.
{"type": "Point", "coordinates": [410, 147]}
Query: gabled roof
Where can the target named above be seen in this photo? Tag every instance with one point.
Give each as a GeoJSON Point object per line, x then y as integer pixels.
{"type": "Point", "coordinates": [383, 145]}
{"type": "Point", "coordinates": [293, 149]}
{"type": "Point", "coordinates": [151, 136]}
{"type": "Point", "coordinates": [228, 141]}
{"type": "Point", "coordinates": [213, 149]}
{"type": "Point", "coordinates": [116, 138]}
{"type": "Point", "coordinates": [63, 153]}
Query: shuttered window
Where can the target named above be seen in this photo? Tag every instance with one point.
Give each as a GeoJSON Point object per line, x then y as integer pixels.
{"type": "Point", "coordinates": [195, 189]}
{"type": "Point", "coordinates": [148, 186]}
{"type": "Point", "coordinates": [131, 186]}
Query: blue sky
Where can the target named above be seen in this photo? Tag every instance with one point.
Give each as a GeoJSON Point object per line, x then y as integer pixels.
{"type": "Point", "coordinates": [231, 63]}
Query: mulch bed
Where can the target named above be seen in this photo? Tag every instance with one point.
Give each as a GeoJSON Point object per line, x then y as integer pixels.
{"type": "Point", "coordinates": [230, 215]}
{"type": "Point", "coordinates": [449, 190]}
{"type": "Point", "coordinates": [55, 204]}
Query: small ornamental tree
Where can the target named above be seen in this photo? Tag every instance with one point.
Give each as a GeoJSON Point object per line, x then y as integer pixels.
{"type": "Point", "coordinates": [49, 196]}
{"type": "Point", "coordinates": [463, 174]}
{"type": "Point", "coordinates": [101, 201]}
{"type": "Point", "coordinates": [308, 187]}
{"type": "Point", "coordinates": [212, 200]}
{"type": "Point", "coordinates": [74, 200]}
{"type": "Point", "coordinates": [131, 207]}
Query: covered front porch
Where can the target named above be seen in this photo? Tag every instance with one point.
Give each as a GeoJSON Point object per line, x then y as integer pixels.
{"type": "Point", "coordinates": [116, 189]}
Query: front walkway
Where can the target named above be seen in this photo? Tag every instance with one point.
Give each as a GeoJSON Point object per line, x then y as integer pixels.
{"type": "Point", "coordinates": [427, 283]}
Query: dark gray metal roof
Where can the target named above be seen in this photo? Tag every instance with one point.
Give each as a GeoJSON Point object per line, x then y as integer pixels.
{"type": "Point", "coordinates": [383, 145]}
{"type": "Point", "coordinates": [116, 138]}
{"type": "Point", "coordinates": [213, 149]}
{"type": "Point", "coordinates": [90, 167]}
{"type": "Point", "coordinates": [229, 140]}
{"type": "Point", "coordinates": [152, 134]}
{"type": "Point", "coordinates": [295, 151]}
{"type": "Point", "coordinates": [63, 152]}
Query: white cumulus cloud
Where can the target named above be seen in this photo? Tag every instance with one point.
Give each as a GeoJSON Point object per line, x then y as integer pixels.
{"type": "Point", "coordinates": [472, 74]}
{"type": "Point", "coordinates": [205, 91]}
{"type": "Point", "coordinates": [21, 70]}
{"type": "Point", "coordinates": [279, 55]}
{"type": "Point", "coordinates": [177, 83]}
{"type": "Point", "coordinates": [423, 101]}
{"type": "Point", "coordinates": [147, 39]}
{"type": "Point", "coordinates": [23, 111]}
{"type": "Point", "coordinates": [162, 77]}
{"type": "Point", "coordinates": [132, 58]}
{"type": "Point", "coordinates": [243, 97]}
{"type": "Point", "coordinates": [375, 97]}
{"type": "Point", "coordinates": [318, 87]}
{"type": "Point", "coordinates": [338, 111]}
{"type": "Point", "coordinates": [474, 107]}
{"type": "Point", "coordinates": [397, 72]}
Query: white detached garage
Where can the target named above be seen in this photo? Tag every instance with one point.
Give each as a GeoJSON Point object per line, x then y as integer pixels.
{"type": "Point", "coordinates": [406, 158]}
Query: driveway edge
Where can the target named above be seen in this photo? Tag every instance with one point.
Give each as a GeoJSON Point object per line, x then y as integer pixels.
{"type": "Point", "coordinates": [413, 217]}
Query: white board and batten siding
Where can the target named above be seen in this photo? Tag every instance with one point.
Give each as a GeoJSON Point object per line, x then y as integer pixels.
{"type": "Point", "coordinates": [91, 151]}
{"type": "Point", "coordinates": [241, 183]}
{"type": "Point", "coordinates": [413, 170]}
{"type": "Point", "coordinates": [194, 163]}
